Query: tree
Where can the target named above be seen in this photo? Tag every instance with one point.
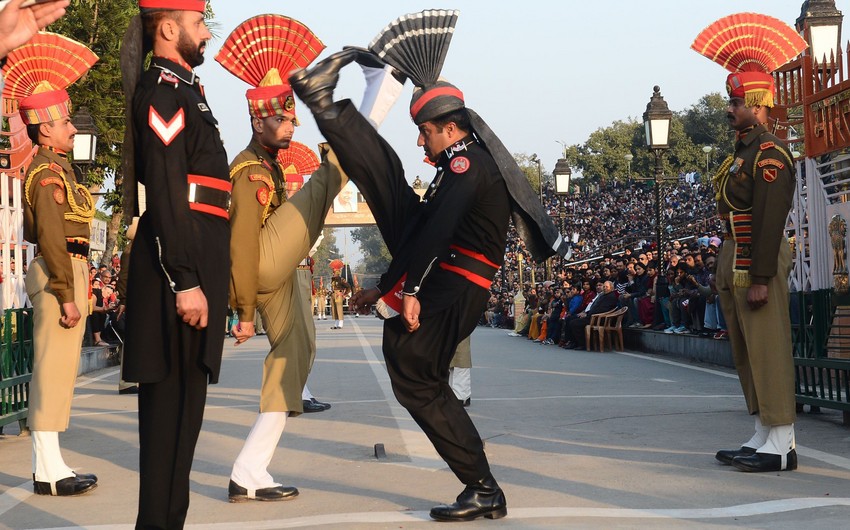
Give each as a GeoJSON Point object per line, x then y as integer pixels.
{"type": "Point", "coordinates": [529, 166]}
{"type": "Point", "coordinates": [100, 24]}
{"type": "Point", "coordinates": [376, 256]}
{"type": "Point", "coordinates": [326, 252]}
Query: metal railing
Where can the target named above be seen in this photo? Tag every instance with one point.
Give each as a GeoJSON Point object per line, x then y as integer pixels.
{"type": "Point", "coordinates": [16, 356]}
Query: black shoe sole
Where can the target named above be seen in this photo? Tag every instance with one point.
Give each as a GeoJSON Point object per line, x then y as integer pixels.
{"type": "Point", "coordinates": [245, 498]}
{"type": "Point", "coordinates": [48, 493]}
{"type": "Point", "coordinates": [494, 514]}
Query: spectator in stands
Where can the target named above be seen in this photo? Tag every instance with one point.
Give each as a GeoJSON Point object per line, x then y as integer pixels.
{"type": "Point", "coordinates": [604, 302]}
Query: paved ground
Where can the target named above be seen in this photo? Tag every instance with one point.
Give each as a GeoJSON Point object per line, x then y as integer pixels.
{"type": "Point", "coordinates": [576, 439]}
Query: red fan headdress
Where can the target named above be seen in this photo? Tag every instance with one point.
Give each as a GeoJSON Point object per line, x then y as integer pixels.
{"type": "Point", "coordinates": [337, 265]}
{"type": "Point", "coordinates": [38, 73]}
{"type": "Point", "coordinates": [751, 46]}
{"type": "Point", "coordinates": [263, 49]}
{"type": "Point", "coordinates": [298, 160]}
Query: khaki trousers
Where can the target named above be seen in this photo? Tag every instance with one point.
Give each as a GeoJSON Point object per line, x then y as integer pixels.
{"type": "Point", "coordinates": [761, 340]}
{"type": "Point", "coordinates": [284, 305]}
{"type": "Point", "coordinates": [57, 349]}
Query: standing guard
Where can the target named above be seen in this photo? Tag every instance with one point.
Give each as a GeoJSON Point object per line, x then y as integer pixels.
{"type": "Point", "coordinates": [755, 188]}
{"type": "Point", "coordinates": [57, 215]}
{"type": "Point", "coordinates": [179, 267]}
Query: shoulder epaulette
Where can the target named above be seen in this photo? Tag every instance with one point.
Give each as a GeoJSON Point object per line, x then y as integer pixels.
{"type": "Point", "coordinates": [239, 167]}
{"type": "Point", "coordinates": [36, 171]}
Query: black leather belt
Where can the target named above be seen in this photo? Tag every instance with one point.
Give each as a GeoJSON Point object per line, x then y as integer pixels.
{"type": "Point", "coordinates": [77, 247]}
{"type": "Point", "coordinates": [203, 195]}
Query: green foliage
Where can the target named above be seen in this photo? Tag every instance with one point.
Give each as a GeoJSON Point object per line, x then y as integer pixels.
{"type": "Point", "coordinates": [602, 157]}
{"type": "Point", "coordinates": [528, 164]}
{"type": "Point", "coordinates": [326, 252]}
{"type": "Point", "coordinates": [376, 256]}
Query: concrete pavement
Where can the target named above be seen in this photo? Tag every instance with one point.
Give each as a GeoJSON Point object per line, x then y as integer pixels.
{"type": "Point", "coordinates": [576, 439]}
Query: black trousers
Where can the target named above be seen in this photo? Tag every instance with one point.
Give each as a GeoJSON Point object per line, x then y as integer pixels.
{"type": "Point", "coordinates": [170, 416]}
{"type": "Point", "coordinates": [418, 362]}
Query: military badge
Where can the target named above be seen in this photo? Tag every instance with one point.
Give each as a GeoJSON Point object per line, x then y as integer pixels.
{"type": "Point", "coordinates": [736, 166]}
{"type": "Point", "coordinates": [168, 130]}
{"type": "Point", "coordinates": [289, 104]}
{"type": "Point", "coordinates": [52, 180]}
{"type": "Point", "coordinates": [460, 165]}
{"type": "Point", "coordinates": [771, 162]}
{"type": "Point", "coordinates": [59, 196]}
{"type": "Point", "coordinates": [767, 145]}
{"type": "Point", "coordinates": [56, 168]}
{"type": "Point", "coordinates": [263, 196]}
{"type": "Point", "coordinates": [769, 174]}
{"type": "Point", "coordinates": [169, 77]}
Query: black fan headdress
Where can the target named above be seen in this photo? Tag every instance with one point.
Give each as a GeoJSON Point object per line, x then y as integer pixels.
{"type": "Point", "coordinates": [417, 45]}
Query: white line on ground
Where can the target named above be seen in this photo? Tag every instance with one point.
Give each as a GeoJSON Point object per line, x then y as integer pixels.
{"type": "Point", "coordinates": [419, 448]}
{"type": "Point", "coordinates": [571, 513]}
{"type": "Point", "coordinates": [681, 365]}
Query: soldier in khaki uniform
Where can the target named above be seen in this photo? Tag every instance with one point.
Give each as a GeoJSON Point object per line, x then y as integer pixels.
{"type": "Point", "coordinates": [57, 217]}
{"type": "Point", "coordinates": [339, 290]}
{"type": "Point", "coordinates": [755, 188]}
{"type": "Point", "coordinates": [271, 236]}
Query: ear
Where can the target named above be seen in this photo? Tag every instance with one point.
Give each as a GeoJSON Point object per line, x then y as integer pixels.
{"type": "Point", "coordinates": [257, 125]}
{"type": "Point", "coordinates": [45, 129]}
{"type": "Point", "coordinates": [169, 29]}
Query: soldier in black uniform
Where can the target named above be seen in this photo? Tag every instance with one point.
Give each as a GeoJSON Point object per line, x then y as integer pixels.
{"type": "Point", "coordinates": [445, 251]}
{"type": "Point", "coordinates": [180, 264]}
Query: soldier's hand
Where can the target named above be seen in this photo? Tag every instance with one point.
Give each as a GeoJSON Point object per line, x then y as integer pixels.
{"type": "Point", "coordinates": [757, 296]}
{"type": "Point", "coordinates": [192, 308]}
{"type": "Point", "coordinates": [362, 300]}
{"type": "Point", "coordinates": [70, 315]}
{"type": "Point", "coordinates": [19, 24]}
{"type": "Point", "coordinates": [242, 331]}
{"type": "Point", "coordinates": [410, 309]}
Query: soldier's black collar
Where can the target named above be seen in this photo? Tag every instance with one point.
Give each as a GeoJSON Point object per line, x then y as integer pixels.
{"type": "Point", "coordinates": [458, 147]}
{"type": "Point", "coordinates": [174, 68]}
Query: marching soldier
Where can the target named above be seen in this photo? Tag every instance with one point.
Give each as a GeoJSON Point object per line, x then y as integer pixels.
{"type": "Point", "coordinates": [445, 249]}
{"type": "Point", "coordinates": [177, 289]}
{"type": "Point", "coordinates": [57, 216]}
{"type": "Point", "coordinates": [755, 188]}
{"type": "Point", "coordinates": [272, 234]}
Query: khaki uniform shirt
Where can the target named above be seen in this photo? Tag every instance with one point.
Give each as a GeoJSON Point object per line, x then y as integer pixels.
{"type": "Point", "coordinates": [57, 209]}
{"type": "Point", "coordinates": [759, 179]}
{"type": "Point", "coordinates": [258, 190]}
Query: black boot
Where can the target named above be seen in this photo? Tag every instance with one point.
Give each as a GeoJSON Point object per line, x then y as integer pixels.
{"type": "Point", "coordinates": [725, 456]}
{"type": "Point", "coordinates": [483, 499]}
{"type": "Point", "coordinates": [316, 86]}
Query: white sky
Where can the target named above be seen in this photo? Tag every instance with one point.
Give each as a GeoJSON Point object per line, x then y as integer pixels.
{"type": "Point", "coordinates": [539, 72]}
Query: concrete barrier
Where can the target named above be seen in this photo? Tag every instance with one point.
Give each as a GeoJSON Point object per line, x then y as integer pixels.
{"type": "Point", "coordinates": [692, 347]}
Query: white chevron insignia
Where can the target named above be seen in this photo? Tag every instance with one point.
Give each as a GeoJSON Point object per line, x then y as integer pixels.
{"type": "Point", "coordinates": [166, 130]}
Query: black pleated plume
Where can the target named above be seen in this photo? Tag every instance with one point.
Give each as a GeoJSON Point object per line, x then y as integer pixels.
{"type": "Point", "coordinates": [417, 44]}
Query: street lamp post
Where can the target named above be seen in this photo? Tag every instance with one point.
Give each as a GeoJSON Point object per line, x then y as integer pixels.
{"type": "Point", "coordinates": [562, 174]}
{"type": "Point", "coordinates": [706, 149]}
{"type": "Point", "coordinates": [656, 122]}
{"type": "Point", "coordinates": [539, 176]}
{"type": "Point", "coordinates": [629, 157]}
{"type": "Point", "coordinates": [85, 141]}
{"type": "Point", "coordinates": [820, 24]}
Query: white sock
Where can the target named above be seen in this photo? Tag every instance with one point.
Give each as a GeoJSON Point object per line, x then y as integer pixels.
{"type": "Point", "coordinates": [339, 324]}
{"type": "Point", "coordinates": [759, 437]}
{"type": "Point", "coordinates": [305, 394]}
{"type": "Point", "coordinates": [780, 440]}
{"type": "Point", "coordinates": [47, 462]}
{"type": "Point", "coordinates": [381, 93]}
{"type": "Point", "coordinates": [461, 382]}
{"type": "Point", "coordinates": [250, 470]}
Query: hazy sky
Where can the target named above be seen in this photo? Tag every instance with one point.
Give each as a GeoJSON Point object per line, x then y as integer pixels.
{"type": "Point", "coordinates": [539, 72]}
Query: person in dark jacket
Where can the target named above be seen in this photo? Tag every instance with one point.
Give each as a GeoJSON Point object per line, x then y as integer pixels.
{"type": "Point", "coordinates": [602, 304]}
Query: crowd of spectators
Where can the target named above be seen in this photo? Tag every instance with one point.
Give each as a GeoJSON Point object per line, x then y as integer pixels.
{"type": "Point", "coordinates": [614, 251]}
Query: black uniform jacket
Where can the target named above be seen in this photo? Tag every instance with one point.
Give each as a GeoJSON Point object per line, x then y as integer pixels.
{"type": "Point", "coordinates": [176, 248]}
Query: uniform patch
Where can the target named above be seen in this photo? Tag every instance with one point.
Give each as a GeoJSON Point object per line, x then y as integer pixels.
{"type": "Point", "coordinates": [169, 78]}
{"type": "Point", "coordinates": [767, 145]}
{"type": "Point", "coordinates": [59, 196]}
{"type": "Point", "coordinates": [460, 164]}
{"type": "Point", "coordinates": [736, 167]}
{"type": "Point", "coordinates": [258, 177]}
{"type": "Point", "coordinates": [56, 168]}
{"type": "Point", "coordinates": [203, 107]}
{"type": "Point", "coordinates": [769, 174]}
{"type": "Point", "coordinates": [263, 196]}
{"type": "Point", "coordinates": [166, 130]}
{"type": "Point", "coordinates": [52, 180]}
{"type": "Point", "coordinates": [771, 162]}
